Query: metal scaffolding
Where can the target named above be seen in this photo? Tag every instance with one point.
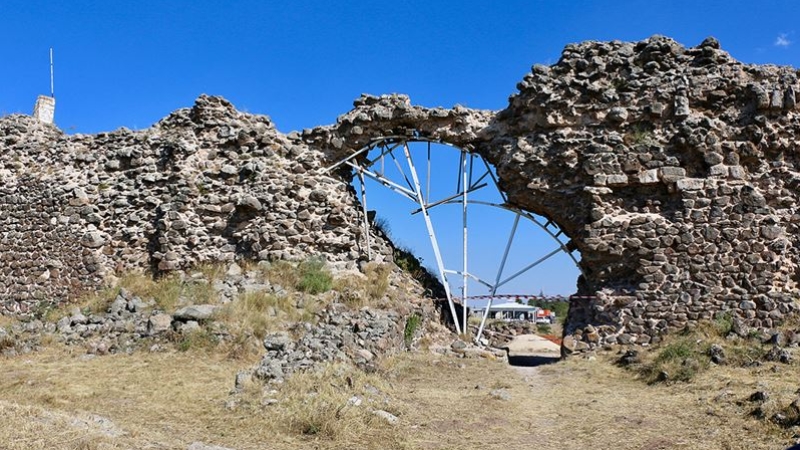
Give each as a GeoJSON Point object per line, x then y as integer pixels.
{"type": "Point", "coordinates": [411, 188]}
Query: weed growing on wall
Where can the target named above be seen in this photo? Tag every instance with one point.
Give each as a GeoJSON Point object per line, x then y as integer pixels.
{"type": "Point", "coordinates": [412, 324]}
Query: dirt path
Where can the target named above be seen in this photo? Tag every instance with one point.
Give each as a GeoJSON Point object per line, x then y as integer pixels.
{"type": "Point", "coordinates": [591, 404]}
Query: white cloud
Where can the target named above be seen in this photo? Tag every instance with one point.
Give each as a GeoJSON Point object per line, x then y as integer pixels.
{"type": "Point", "coordinates": [783, 40]}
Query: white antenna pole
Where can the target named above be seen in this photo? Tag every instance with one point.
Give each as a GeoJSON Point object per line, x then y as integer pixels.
{"type": "Point", "coordinates": [51, 73]}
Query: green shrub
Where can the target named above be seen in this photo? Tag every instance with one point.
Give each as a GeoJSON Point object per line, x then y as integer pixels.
{"type": "Point", "coordinates": [680, 360]}
{"type": "Point", "coordinates": [723, 325]}
{"type": "Point", "coordinates": [382, 225]}
{"type": "Point", "coordinates": [560, 308]}
{"type": "Point", "coordinates": [377, 280]}
{"type": "Point", "coordinates": [314, 278]}
{"type": "Point", "coordinates": [412, 265]}
{"type": "Point", "coordinates": [677, 350]}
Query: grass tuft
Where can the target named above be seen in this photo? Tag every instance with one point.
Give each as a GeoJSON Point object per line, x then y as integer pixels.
{"type": "Point", "coordinates": [200, 339]}
{"type": "Point", "coordinates": [359, 290]}
{"type": "Point", "coordinates": [313, 278]}
{"type": "Point", "coordinates": [412, 324]}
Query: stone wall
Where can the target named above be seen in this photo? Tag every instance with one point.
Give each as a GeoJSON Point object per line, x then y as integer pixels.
{"type": "Point", "coordinates": [204, 184]}
{"type": "Point", "coordinates": [40, 255]}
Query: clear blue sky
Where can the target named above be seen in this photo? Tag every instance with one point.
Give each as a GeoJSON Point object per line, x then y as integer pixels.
{"type": "Point", "coordinates": [302, 63]}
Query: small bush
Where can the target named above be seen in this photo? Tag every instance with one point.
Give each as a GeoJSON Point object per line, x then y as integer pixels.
{"type": "Point", "coordinates": [356, 290]}
{"type": "Point", "coordinates": [412, 324]}
{"type": "Point", "coordinates": [544, 328]}
{"type": "Point", "coordinates": [282, 273]}
{"type": "Point", "coordinates": [676, 351]}
{"type": "Point", "coordinates": [165, 291]}
{"type": "Point", "coordinates": [314, 278]}
{"type": "Point", "coordinates": [640, 133]}
{"type": "Point", "coordinates": [410, 264]}
{"type": "Point", "coordinates": [7, 341]}
{"type": "Point", "coordinates": [723, 325]}
{"type": "Point", "coordinates": [678, 361]}
{"type": "Point", "coordinates": [250, 317]}
{"type": "Point", "coordinates": [315, 404]}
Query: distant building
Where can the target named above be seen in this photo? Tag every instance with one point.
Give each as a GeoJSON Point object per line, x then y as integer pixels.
{"type": "Point", "coordinates": [518, 311]}
{"type": "Point", "coordinates": [510, 311]}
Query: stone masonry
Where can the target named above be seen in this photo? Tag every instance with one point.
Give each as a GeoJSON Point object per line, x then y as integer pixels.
{"type": "Point", "coordinates": [204, 184]}
{"type": "Point", "coordinates": [674, 170]}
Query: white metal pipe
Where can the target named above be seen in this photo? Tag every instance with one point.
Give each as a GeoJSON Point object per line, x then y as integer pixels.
{"type": "Point", "coordinates": [400, 169]}
{"type": "Point", "coordinates": [346, 160]}
{"type": "Point", "coordinates": [52, 90]}
{"type": "Point", "coordinates": [428, 178]}
{"type": "Point", "coordinates": [366, 218]}
{"type": "Point", "coordinates": [497, 279]}
{"type": "Point", "coordinates": [474, 277]}
{"type": "Point", "coordinates": [496, 183]}
{"type": "Point", "coordinates": [386, 182]}
{"type": "Point", "coordinates": [465, 280]}
{"type": "Point", "coordinates": [432, 235]}
{"type": "Point", "coordinates": [448, 199]}
{"type": "Point", "coordinates": [530, 266]}
{"type": "Point", "coordinates": [533, 219]}
{"type": "Point", "coordinates": [384, 151]}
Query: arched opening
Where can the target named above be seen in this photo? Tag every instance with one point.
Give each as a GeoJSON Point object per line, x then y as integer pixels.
{"type": "Point", "coordinates": [443, 204]}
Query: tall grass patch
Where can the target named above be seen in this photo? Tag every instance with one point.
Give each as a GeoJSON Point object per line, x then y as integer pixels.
{"type": "Point", "coordinates": [358, 290]}
{"type": "Point", "coordinates": [678, 360]}
{"type": "Point", "coordinates": [318, 405]}
{"type": "Point", "coordinates": [314, 278]}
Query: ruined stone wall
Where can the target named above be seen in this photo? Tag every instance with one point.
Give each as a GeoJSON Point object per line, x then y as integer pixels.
{"type": "Point", "coordinates": [205, 184]}
{"type": "Point", "coordinates": [674, 170]}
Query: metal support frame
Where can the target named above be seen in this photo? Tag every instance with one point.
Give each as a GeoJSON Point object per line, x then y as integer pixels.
{"type": "Point", "coordinates": [366, 216]}
{"type": "Point", "coordinates": [464, 186]}
{"type": "Point", "coordinates": [465, 280]}
{"type": "Point", "coordinates": [497, 278]}
{"type": "Point", "coordinates": [432, 236]}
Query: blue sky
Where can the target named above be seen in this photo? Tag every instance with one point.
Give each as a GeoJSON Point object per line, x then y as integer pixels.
{"type": "Point", "coordinates": [302, 62]}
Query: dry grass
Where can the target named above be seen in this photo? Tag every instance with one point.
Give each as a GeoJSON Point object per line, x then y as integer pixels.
{"type": "Point", "coordinates": [253, 315]}
{"type": "Point", "coordinates": [358, 290]}
{"type": "Point", "coordinates": [683, 356]}
{"type": "Point", "coordinates": [170, 400]}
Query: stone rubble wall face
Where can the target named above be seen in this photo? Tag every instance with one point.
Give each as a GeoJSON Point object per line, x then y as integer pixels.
{"type": "Point", "coordinates": [674, 170]}
{"type": "Point", "coordinates": [204, 184]}
{"type": "Point", "coordinates": [40, 257]}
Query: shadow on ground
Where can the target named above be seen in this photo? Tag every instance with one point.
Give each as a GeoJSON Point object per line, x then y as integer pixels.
{"type": "Point", "coordinates": [531, 360]}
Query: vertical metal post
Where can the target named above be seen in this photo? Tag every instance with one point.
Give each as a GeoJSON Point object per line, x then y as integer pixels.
{"type": "Point", "coordinates": [364, 206]}
{"type": "Point", "coordinates": [458, 178]}
{"type": "Point", "coordinates": [464, 224]}
{"type": "Point", "coordinates": [428, 178]}
{"type": "Point", "coordinates": [432, 235]}
{"type": "Point", "coordinates": [497, 279]}
{"type": "Point", "coordinates": [52, 91]}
